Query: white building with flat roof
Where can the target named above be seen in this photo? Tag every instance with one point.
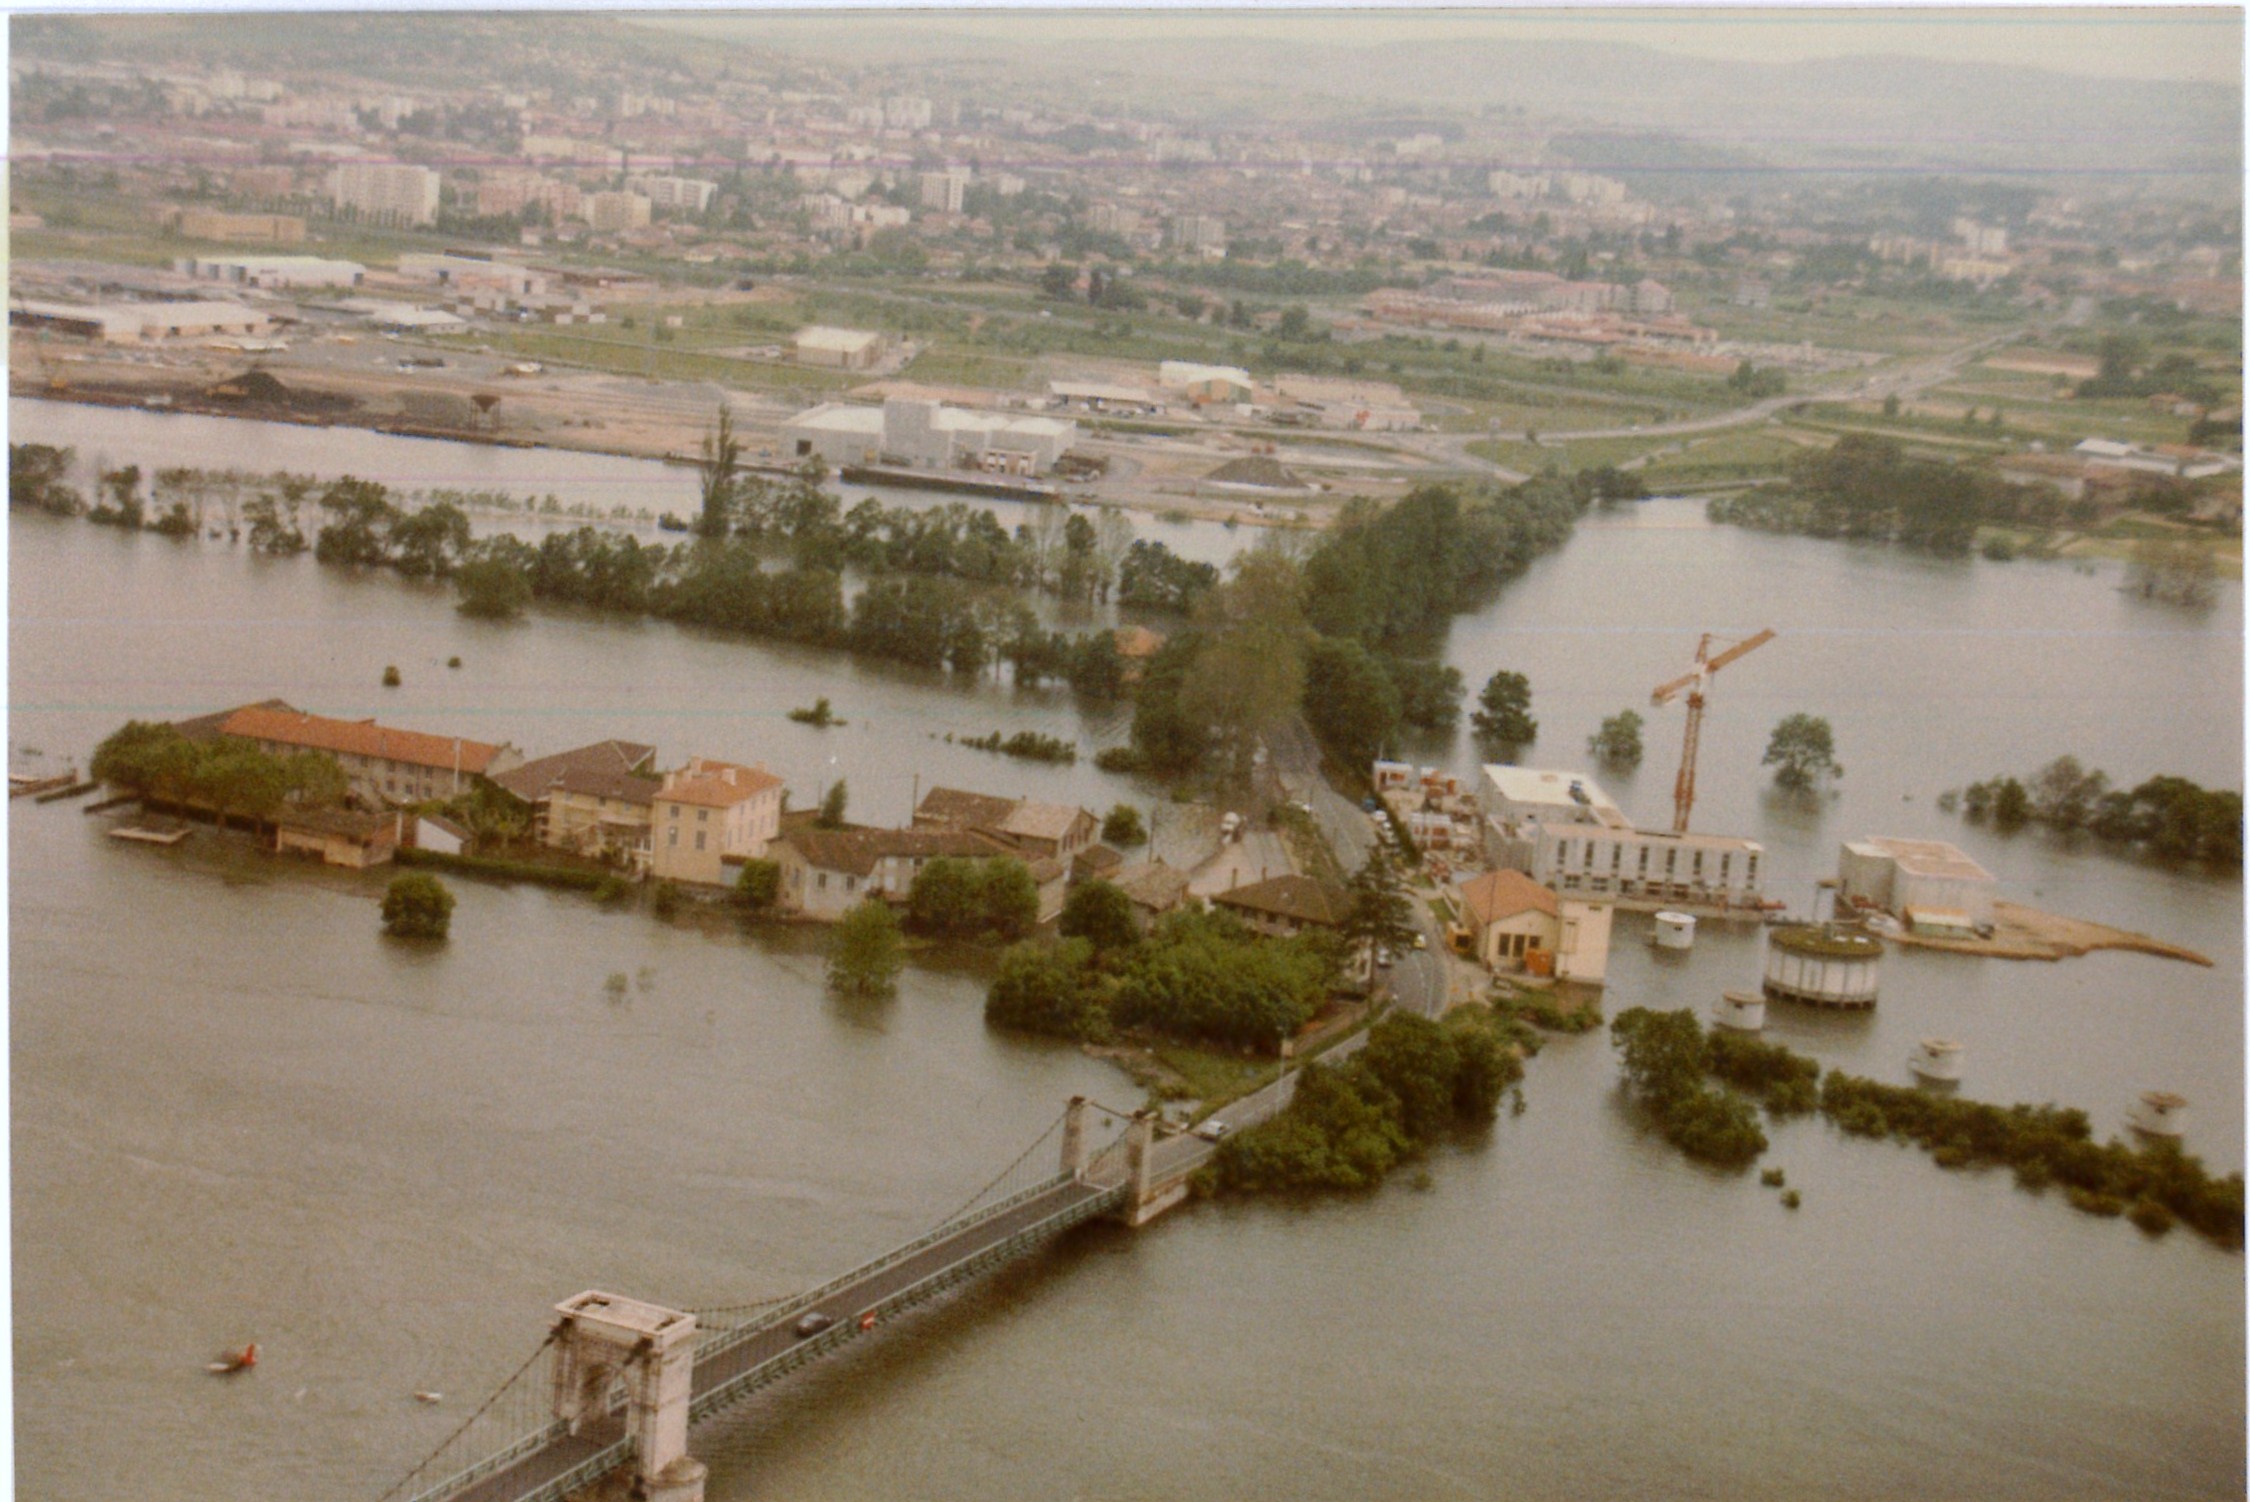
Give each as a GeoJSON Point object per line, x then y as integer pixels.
{"type": "Point", "coordinates": [1563, 831]}
{"type": "Point", "coordinates": [924, 433]}
{"type": "Point", "coordinates": [692, 194]}
{"type": "Point", "coordinates": [273, 271]}
{"type": "Point", "coordinates": [844, 349]}
{"type": "Point", "coordinates": [1909, 877]}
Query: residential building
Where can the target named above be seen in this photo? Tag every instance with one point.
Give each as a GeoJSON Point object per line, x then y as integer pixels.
{"type": "Point", "coordinates": [690, 195]}
{"type": "Point", "coordinates": [1516, 924]}
{"type": "Point", "coordinates": [386, 192]}
{"type": "Point", "coordinates": [1206, 234]}
{"type": "Point", "coordinates": [944, 191]}
{"type": "Point", "coordinates": [1283, 906]}
{"type": "Point", "coordinates": [258, 229]}
{"type": "Point", "coordinates": [598, 800]}
{"type": "Point", "coordinates": [1034, 830]}
{"type": "Point", "coordinates": [905, 112]}
{"type": "Point", "coordinates": [843, 349]}
{"type": "Point", "coordinates": [382, 765]}
{"type": "Point", "coordinates": [709, 814]}
{"type": "Point", "coordinates": [1152, 887]}
{"type": "Point", "coordinates": [1925, 882]}
{"type": "Point", "coordinates": [612, 212]}
{"type": "Point", "coordinates": [1563, 831]}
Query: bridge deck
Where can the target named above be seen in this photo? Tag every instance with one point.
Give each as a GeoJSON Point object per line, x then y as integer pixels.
{"type": "Point", "coordinates": [555, 1466]}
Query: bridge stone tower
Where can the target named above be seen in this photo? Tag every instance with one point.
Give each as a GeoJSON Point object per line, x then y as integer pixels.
{"type": "Point", "coordinates": [602, 1337]}
{"type": "Point", "coordinates": [1074, 1136]}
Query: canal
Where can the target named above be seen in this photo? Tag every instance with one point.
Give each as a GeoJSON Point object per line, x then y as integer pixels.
{"type": "Point", "coordinates": [238, 1114]}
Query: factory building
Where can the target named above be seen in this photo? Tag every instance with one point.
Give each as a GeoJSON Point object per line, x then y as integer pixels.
{"type": "Point", "coordinates": [1565, 833]}
{"type": "Point", "coordinates": [1203, 384]}
{"type": "Point", "coordinates": [126, 323]}
{"type": "Point", "coordinates": [842, 349]}
{"type": "Point", "coordinates": [924, 433]}
{"type": "Point", "coordinates": [1931, 885]}
{"type": "Point", "coordinates": [273, 271]}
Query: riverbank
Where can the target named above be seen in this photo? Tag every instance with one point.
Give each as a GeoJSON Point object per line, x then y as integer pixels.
{"type": "Point", "coordinates": [2026, 933]}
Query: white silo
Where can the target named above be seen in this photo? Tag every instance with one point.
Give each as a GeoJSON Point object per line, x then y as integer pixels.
{"type": "Point", "coordinates": [1937, 1060]}
{"type": "Point", "coordinates": [2157, 1114]}
{"type": "Point", "coordinates": [1674, 931]}
{"type": "Point", "coordinates": [1740, 1011]}
{"type": "Point", "coordinates": [1823, 966]}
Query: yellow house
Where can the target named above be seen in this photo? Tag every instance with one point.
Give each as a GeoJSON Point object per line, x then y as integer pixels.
{"type": "Point", "coordinates": [596, 800]}
{"type": "Point", "coordinates": [1518, 925]}
{"type": "Point", "coordinates": [709, 810]}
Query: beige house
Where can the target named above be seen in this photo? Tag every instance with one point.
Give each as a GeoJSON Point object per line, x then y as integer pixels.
{"type": "Point", "coordinates": [597, 800]}
{"type": "Point", "coordinates": [707, 811]}
{"type": "Point", "coordinates": [337, 836]}
{"type": "Point", "coordinates": [1034, 830]}
{"type": "Point", "coordinates": [1517, 925]}
{"type": "Point", "coordinates": [382, 765]}
{"type": "Point", "coordinates": [825, 872]}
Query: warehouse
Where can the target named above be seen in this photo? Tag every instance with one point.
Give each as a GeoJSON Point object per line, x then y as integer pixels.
{"type": "Point", "coordinates": [919, 432]}
{"type": "Point", "coordinates": [841, 349]}
{"type": "Point", "coordinates": [121, 323]}
{"type": "Point", "coordinates": [274, 271]}
{"type": "Point", "coordinates": [1932, 885]}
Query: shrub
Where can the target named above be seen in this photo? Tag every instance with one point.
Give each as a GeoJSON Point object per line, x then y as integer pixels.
{"type": "Point", "coordinates": [665, 901]}
{"type": "Point", "coordinates": [759, 886]}
{"type": "Point", "coordinates": [1772, 1178]}
{"type": "Point", "coordinates": [416, 906]}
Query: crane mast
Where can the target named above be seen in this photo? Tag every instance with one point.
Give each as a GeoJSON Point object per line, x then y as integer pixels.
{"type": "Point", "coordinates": [1695, 683]}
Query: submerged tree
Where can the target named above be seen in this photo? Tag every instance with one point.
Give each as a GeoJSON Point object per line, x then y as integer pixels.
{"type": "Point", "coordinates": [1618, 742]}
{"type": "Point", "coordinates": [1504, 710]}
{"type": "Point", "coordinates": [1802, 749]}
{"type": "Point", "coordinates": [865, 953]}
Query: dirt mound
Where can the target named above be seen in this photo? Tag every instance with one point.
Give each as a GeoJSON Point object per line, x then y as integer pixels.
{"type": "Point", "coordinates": [258, 388]}
{"type": "Point", "coordinates": [1259, 472]}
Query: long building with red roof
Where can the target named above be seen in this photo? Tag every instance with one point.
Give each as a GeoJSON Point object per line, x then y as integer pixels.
{"type": "Point", "coordinates": [384, 765]}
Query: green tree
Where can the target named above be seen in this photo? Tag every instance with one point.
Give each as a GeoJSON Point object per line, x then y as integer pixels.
{"type": "Point", "coordinates": [1380, 914]}
{"type": "Point", "coordinates": [1102, 915]}
{"type": "Point", "coordinates": [1122, 827]}
{"type": "Point", "coordinates": [722, 453]}
{"type": "Point", "coordinates": [1803, 749]}
{"type": "Point", "coordinates": [1250, 675]}
{"type": "Point", "coordinates": [1350, 702]}
{"type": "Point", "coordinates": [2011, 804]}
{"type": "Point", "coordinates": [417, 906]}
{"type": "Point", "coordinates": [492, 589]}
{"type": "Point", "coordinates": [831, 815]}
{"type": "Point", "coordinates": [1618, 742]}
{"type": "Point", "coordinates": [759, 885]}
{"type": "Point", "coordinates": [427, 544]}
{"type": "Point", "coordinates": [865, 953]}
{"type": "Point", "coordinates": [953, 898]}
{"type": "Point", "coordinates": [1504, 710]}
{"type": "Point", "coordinates": [2064, 794]}
{"type": "Point", "coordinates": [1046, 986]}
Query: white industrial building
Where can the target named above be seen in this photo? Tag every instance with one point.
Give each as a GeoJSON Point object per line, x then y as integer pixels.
{"type": "Point", "coordinates": [1933, 886]}
{"type": "Point", "coordinates": [129, 322]}
{"type": "Point", "coordinates": [1564, 832]}
{"type": "Point", "coordinates": [909, 431]}
{"type": "Point", "coordinates": [473, 274]}
{"type": "Point", "coordinates": [844, 349]}
{"type": "Point", "coordinates": [386, 192]}
{"type": "Point", "coordinates": [273, 271]}
{"type": "Point", "coordinates": [1205, 383]}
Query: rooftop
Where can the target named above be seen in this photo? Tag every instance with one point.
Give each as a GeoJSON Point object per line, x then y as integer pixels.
{"type": "Point", "coordinates": [1923, 857]}
{"type": "Point", "coordinates": [857, 850]}
{"type": "Point", "coordinates": [1540, 793]}
{"type": "Point", "coordinates": [288, 727]}
{"type": "Point", "coordinates": [715, 784]}
{"type": "Point", "coordinates": [1498, 895]}
{"type": "Point", "coordinates": [1298, 897]}
{"type": "Point", "coordinates": [606, 769]}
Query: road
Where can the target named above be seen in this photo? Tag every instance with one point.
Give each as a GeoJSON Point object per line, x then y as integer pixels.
{"type": "Point", "coordinates": [1417, 977]}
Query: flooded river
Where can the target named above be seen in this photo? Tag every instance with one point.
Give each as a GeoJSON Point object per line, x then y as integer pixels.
{"type": "Point", "coordinates": [238, 1114]}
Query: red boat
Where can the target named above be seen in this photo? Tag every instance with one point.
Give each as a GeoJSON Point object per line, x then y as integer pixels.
{"type": "Point", "coordinates": [234, 1361]}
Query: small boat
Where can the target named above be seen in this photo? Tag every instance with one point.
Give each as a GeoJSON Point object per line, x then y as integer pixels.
{"type": "Point", "coordinates": [429, 1397]}
{"type": "Point", "coordinates": [234, 1361]}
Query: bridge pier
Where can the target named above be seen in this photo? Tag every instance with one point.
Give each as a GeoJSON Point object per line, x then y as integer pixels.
{"type": "Point", "coordinates": [1074, 1137]}
{"type": "Point", "coordinates": [602, 1337]}
{"type": "Point", "coordinates": [1147, 1202]}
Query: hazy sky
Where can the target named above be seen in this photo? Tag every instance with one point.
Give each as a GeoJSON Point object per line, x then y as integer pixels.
{"type": "Point", "coordinates": [2180, 42]}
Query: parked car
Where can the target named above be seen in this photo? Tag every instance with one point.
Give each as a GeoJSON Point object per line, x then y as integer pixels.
{"type": "Point", "coordinates": [814, 1323]}
{"type": "Point", "coordinates": [1421, 940]}
{"type": "Point", "coordinates": [1212, 1130]}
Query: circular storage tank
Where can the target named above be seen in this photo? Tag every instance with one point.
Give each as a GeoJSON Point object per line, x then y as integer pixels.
{"type": "Point", "coordinates": [1936, 1059]}
{"type": "Point", "coordinates": [1741, 1011]}
{"type": "Point", "coordinates": [1822, 966]}
{"type": "Point", "coordinates": [1674, 931]}
{"type": "Point", "coordinates": [2157, 1113]}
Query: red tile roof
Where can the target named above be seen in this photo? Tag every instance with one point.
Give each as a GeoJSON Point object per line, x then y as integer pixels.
{"type": "Point", "coordinates": [715, 784]}
{"type": "Point", "coordinates": [1503, 894]}
{"type": "Point", "coordinates": [358, 738]}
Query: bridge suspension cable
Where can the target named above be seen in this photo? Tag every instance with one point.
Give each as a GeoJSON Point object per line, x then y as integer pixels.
{"type": "Point", "coordinates": [428, 1465]}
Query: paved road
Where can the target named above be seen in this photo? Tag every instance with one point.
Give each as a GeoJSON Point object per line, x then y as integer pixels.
{"type": "Point", "coordinates": [1417, 978]}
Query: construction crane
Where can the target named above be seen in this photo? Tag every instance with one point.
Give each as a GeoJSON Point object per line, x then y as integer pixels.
{"type": "Point", "coordinates": [1683, 791]}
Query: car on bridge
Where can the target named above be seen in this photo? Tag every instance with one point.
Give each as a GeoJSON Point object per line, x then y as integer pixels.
{"type": "Point", "coordinates": [813, 1323]}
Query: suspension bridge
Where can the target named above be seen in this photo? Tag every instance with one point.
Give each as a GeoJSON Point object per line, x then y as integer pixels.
{"type": "Point", "coordinates": [625, 1379]}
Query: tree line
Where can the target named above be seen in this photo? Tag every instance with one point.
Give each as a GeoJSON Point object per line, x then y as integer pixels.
{"type": "Point", "coordinates": [228, 775]}
{"type": "Point", "coordinates": [2172, 816]}
{"type": "Point", "coordinates": [1867, 488]}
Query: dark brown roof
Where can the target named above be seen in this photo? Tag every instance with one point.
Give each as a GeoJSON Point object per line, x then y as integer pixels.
{"type": "Point", "coordinates": [1298, 897]}
{"type": "Point", "coordinates": [1095, 862]}
{"type": "Point", "coordinates": [964, 810]}
{"type": "Point", "coordinates": [1152, 884]}
{"type": "Point", "coordinates": [349, 824]}
{"type": "Point", "coordinates": [857, 850]}
{"type": "Point", "coordinates": [606, 769]}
